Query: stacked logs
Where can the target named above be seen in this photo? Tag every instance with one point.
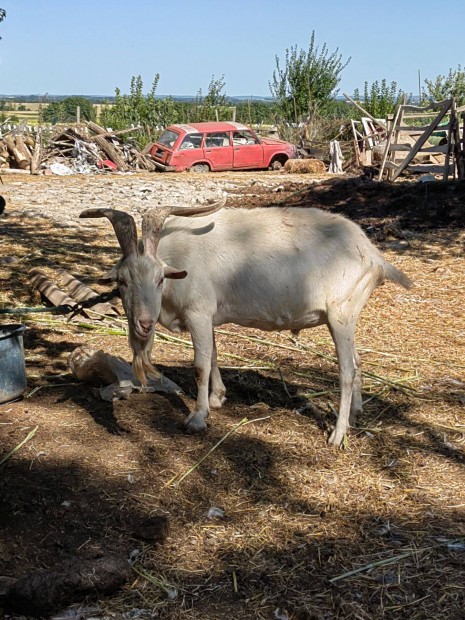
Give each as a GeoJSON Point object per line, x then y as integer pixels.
{"type": "Point", "coordinates": [85, 147]}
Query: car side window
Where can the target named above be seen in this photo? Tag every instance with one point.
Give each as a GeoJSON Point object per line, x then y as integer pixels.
{"type": "Point", "coordinates": [192, 141]}
{"type": "Point", "coordinates": [244, 137]}
{"type": "Point", "coordinates": [216, 139]}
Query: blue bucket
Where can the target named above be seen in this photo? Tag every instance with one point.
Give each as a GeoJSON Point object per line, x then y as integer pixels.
{"type": "Point", "coordinates": [12, 366]}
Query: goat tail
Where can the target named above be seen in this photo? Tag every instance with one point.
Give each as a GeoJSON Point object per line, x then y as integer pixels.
{"type": "Point", "coordinates": [397, 276]}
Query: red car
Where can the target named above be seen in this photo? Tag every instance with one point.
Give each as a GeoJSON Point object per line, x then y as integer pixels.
{"type": "Point", "coordinates": [201, 147]}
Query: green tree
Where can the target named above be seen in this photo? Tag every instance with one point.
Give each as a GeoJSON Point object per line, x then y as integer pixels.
{"type": "Point", "coordinates": [65, 111]}
{"type": "Point", "coordinates": [447, 86]}
{"type": "Point", "coordinates": [255, 112]}
{"type": "Point", "coordinates": [307, 82]}
{"type": "Point", "coordinates": [381, 98]}
{"type": "Point", "coordinates": [135, 108]}
{"type": "Point", "coordinates": [214, 105]}
{"type": "Point", "coordinates": [2, 16]}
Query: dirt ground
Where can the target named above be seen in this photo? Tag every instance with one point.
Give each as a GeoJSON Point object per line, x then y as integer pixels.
{"type": "Point", "coordinates": [272, 523]}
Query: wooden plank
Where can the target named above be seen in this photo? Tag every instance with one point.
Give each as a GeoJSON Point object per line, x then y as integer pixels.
{"type": "Point", "coordinates": [431, 168]}
{"type": "Point", "coordinates": [356, 135]}
{"type": "Point", "coordinates": [459, 148]}
{"type": "Point", "coordinates": [388, 143]}
{"type": "Point", "coordinates": [400, 147]}
{"type": "Point", "coordinates": [410, 129]}
{"type": "Point", "coordinates": [434, 107]}
{"type": "Point", "coordinates": [440, 148]}
{"type": "Point", "coordinates": [396, 135]}
{"type": "Point", "coordinates": [419, 115]}
{"type": "Point", "coordinates": [453, 117]}
{"type": "Point", "coordinates": [389, 165]}
{"type": "Point", "coordinates": [421, 141]}
{"type": "Point", "coordinates": [381, 124]}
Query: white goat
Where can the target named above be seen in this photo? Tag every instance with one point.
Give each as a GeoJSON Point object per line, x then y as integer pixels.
{"type": "Point", "coordinates": [268, 268]}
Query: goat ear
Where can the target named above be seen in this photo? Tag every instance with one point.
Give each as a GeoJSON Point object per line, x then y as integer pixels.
{"type": "Point", "coordinates": [173, 274]}
{"type": "Point", "coordinates": [108, 277]}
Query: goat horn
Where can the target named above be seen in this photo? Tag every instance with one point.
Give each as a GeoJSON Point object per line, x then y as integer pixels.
{"type": "Point", "coordinates": [123, 224]}
{"type": "Point", "coordinates": [199, 211]}
{"type": "Point", "coordinates": [153, 220]}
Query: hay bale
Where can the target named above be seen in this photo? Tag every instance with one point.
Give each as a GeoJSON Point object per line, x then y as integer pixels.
{"type": "Point", "coordinates": [304, 166]}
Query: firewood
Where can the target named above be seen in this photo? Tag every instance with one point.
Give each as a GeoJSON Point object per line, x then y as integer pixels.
{"type": "Point", "coordinates": [37, 155]}
{"type": "Point", "coordinates": [21, 159]}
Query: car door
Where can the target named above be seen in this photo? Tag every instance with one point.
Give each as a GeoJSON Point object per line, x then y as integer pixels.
{"type": "Point", "coordinates": [218, 150]}
{"type": "Point", "coordinates": [247, 150]}
{"type": "Point", "coordinates": [188, 152]}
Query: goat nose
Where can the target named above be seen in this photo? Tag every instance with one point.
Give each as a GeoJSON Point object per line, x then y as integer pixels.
{"type": "Point", "coordinates": [146, 324]}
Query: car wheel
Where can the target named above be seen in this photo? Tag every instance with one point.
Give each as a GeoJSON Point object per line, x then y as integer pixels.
{"type": "Point", "coordinates": [199, 168]}
{"type": "Point", "coordinates": [276, 165]}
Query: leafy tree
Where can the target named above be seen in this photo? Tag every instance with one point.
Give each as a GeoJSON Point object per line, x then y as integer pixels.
{"type": "Point", "coordinates": [65, 111]}
{"type": "Point", "coordinates": [380, 99]}
{"type": "Point", "coordinates": [254, 112]}
{"type": "Point", "coordinates": [139, 109]}
{"type": "Point", "coordinates": [2, 16]}
{"type": "Point", "coordinates": [307, 83]}
{"type": "Point", "coordinates": [214, 105]}
{"type": "Point", "coordinates": [445, 87]}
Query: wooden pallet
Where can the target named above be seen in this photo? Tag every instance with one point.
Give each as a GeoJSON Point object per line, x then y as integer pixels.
{"type": "Point", "coordinates": [451, 149]}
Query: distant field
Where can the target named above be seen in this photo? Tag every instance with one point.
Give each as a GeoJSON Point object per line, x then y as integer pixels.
{"type": "Point", "coordinates": [31, 113]}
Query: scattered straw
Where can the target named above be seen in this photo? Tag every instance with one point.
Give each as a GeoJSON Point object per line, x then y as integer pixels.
{"type": "Point", "coordinates": [178, 478]}
{"type": "Point", "coordinates": [19, 446]}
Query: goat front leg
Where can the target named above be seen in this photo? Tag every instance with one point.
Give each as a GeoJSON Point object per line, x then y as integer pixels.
{"type": "Point", "coordinates": [202, 339]}
{"type": "Point", "coordinates": [217, 389]}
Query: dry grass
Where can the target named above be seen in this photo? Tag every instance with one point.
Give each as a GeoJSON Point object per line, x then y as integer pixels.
{"type": "Point", "coordinates": [376, 530]}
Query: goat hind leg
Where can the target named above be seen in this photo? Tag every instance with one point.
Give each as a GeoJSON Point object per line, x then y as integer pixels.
{"type": "Point", "coordinates": [217, 389]}
{"type": "Point", "coordinates": [343, 336]}
{"type": "Point", "coordinates": [356, 404]}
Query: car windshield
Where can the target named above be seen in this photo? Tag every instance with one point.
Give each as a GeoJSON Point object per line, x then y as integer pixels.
{"type": "Point", "coordinates": [168, 138]}
{"type": "Point", "coordinates": [244, 137]}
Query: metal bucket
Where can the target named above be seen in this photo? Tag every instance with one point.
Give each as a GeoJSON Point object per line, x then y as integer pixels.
{"type": "Point", "coordinates": [12, 366]}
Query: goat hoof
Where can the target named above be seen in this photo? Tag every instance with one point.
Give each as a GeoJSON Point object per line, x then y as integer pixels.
{"type": "Point", "coordinates": [216, 402]}
{"type": "Point", "coordinates": [336, 438]}
{"type": "Point", "coordinates": [194, 425]}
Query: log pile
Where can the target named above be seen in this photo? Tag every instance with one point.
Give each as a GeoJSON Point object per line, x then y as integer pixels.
{"type": "Point", "coordinates": [66, 149]}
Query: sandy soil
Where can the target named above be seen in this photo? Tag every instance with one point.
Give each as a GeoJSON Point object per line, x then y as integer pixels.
{"type": "Point", "coordinates": [297, 516]}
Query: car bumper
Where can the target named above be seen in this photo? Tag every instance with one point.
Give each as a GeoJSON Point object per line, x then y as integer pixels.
{"type": "Point", "coordinates": [163, 167]}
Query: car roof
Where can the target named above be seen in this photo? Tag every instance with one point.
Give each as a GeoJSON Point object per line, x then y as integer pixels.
{"type": "Point", "coordinates": [209, 126]}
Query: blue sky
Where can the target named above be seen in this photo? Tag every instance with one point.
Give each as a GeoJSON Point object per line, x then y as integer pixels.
{"type": "Point", "coordinates": [91, 47]}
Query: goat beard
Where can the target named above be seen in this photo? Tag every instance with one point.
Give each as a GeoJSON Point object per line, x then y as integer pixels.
{"type": "Point", "coordinates": [141, 363]}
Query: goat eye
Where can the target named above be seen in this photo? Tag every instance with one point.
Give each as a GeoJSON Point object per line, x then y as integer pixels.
{"type": "Point", "coordinates": [121, 283]}
{"type": "Point", "coordinates": [161, 282]}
